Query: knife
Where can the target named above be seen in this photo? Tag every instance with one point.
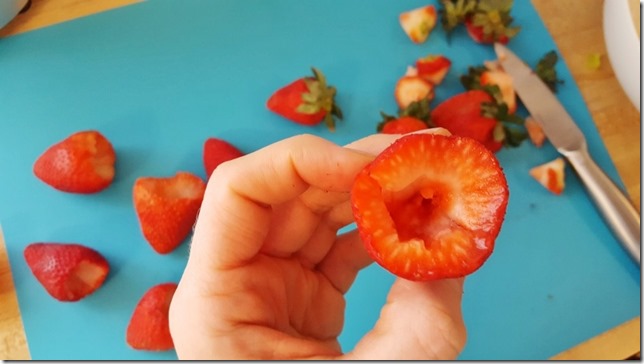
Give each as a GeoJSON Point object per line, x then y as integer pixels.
{"type": "Point", "coordinates": [620, 215]}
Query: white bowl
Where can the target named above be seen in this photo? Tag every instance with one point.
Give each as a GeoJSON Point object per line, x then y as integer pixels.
{"type": "Point", "coordinates": [623, 45]}
{"type": "Point", "coordinates": [9, 9]}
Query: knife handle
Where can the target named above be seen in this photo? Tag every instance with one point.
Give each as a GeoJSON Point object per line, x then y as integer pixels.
{"type": "Point", "coordinates": [617, 210]}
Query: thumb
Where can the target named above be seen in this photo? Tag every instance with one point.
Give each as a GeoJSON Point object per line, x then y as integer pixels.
{"type": "Point", "coordinates": [420, 321]}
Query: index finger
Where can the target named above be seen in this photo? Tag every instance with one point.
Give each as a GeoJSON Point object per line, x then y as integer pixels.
{"type": "Point", "coordinates": [236, 210]}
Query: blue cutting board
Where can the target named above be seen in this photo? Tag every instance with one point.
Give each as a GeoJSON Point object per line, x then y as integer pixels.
{"type": "Point", "coordinates": [158, 78]}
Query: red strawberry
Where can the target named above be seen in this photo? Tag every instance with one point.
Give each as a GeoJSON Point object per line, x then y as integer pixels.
{"type": "Point", "coordinates": [68, 272]}
{"type": "Point", "coordinates": [433, 68]}
{"type": "Point", "coordinates": [462, 115]}
{"type": "Point", "coordinates": [403, 125]}
{"type": "Point", "coordinates": [430, 206]}
{"type": "Point", "coordinates": [217, 151]}
{"type": "Point", "coordinates": [81, 163]}
{"type": "Point", "coordinates": [307, 101]}
{"type": "Point", "coordinates": [412, 88]}
{"type": "Point", "coordinates": [550, 175]}
{"type": "Point", "coordinates": [149, 328]}
{"type": "Point", "coordinates": [167, 208]}
{"type": "Point", "coordinates": [418, 23]}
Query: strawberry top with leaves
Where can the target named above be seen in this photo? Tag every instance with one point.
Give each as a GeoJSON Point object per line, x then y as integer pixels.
{"type": "Point", "coordinates": [487, 21]}
{"type": "Point", "coordinates": [545, 69]}
{"type": "Point", "coordinates": [307, 101]}
{"type": "Point", "coordinates": [430, 206]}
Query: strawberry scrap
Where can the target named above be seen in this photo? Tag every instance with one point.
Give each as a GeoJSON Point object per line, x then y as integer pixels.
{"type": "Point", "coordinates": [493, 80]}
{"type": "Point", "coordinates": [433, 68]}
{"type": "Point", "coordinates": [81, 163]}
{"type": "Point", "coordinates": [551, 175]}
{"type": "Point", "coordinates": [416, 116]}
{"type": "Point", "coordinates": [418, 23]}
{"type": "Point", "coordinates": [68, 271]}
{"type": "Point", "coordinates": [412, 88]}
{"type": "Point", "coordinates": [167, 208]}
{"type": "Point", "coordinates": [307, 101]}
{"type": "Point", "coordinates": [149, 327]}
{"type": "Point", "coordinates": [486, 21]}
{"type": "Point", "coordinates": [217, 151]}
{"type": "Point", "coordinates": [430, 206]}
{"type": "Point", "coordinates": [535, 133]}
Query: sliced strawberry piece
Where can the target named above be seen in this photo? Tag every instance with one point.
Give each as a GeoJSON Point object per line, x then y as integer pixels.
{"type": "Point", "coordinates": [149, 327]}
{"type": "Point", "coordinates": [430, 206]}
{"type": "Point", "coordinates": [412, 88]}
{"type": "Point", "coordinates": [81, 163]}
{"type": "Point", "coordinates": [551, 175]}
{"type": "Point", "coordinates": [462, 115]}
{"type": "Point", "coordinates": [536, 134]}
{"type": "Point", "coordinates": [403, 125]}
{"type": "Point", "coordinates": [68, 272]}
{"type": "Point", "coordinates": [167, 208]}
{"type": "Point", "coordinates": [306, 101]}
{"type": "Point", "coordinates": [433, 68]}
{"type": "Point", "coordinates": [419, 23]}
{"type": "Point", "coordinates": [217, 151]}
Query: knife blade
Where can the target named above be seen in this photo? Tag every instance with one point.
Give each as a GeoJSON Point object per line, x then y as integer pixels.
{"type": "Point", "coordinates": [564, 134]}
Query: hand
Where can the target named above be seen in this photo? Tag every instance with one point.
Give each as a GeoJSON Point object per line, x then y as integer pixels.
{"type": "Point", "coordinates": [267, 272]}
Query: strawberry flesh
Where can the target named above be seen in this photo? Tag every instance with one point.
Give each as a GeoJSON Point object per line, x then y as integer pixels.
{"type": "Point", "coordinates": [149, 327]}
{"type": "Point", "coordinates": [68, 272]}
{"type": "Point", "coordinates": [430, 206]}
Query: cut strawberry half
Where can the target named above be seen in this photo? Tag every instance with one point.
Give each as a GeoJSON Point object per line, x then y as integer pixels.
{"type": "Point", "coordinates": [419, 23]}
{"type": "Point", "coordinates": [68, 272]}
{"type": "Point", "coordinates": [149, 327]}
{"type": "Point", "coordinates": [551, 175]}
{"type": "Point", "coordinates": [81, 163]}
{"type": "Point", "coordinates": [430, 206]}
{"type": "Point", "coordinates": [167, 208]}
{"type": "Point", "coordinates": [217, 151]}
{"type": "Point", "coordinates": [412, 88]}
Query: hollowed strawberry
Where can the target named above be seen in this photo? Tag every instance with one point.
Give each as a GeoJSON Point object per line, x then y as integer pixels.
{"type": "Point", "coordinates": [430, 206]}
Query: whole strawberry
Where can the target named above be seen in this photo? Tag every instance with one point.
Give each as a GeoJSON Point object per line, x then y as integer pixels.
{"type": "Point", "coordinates": [167, 208]}
{"type": "Point", "coordinates": [81, 163]}
{"type": "Point", "coordinates": [68, 272]}
{"type": "Point", "coordinates": [149, 327]}
{"type": "Point", "coordinates": [307, 101]}
{"type": "Point", "coordinates": [217, 151]}
{"type": "Point", "coordinates": [430, 206]}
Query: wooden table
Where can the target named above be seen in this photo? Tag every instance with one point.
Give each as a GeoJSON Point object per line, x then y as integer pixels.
{"type": "Point", "coordinates": [576, 27]}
